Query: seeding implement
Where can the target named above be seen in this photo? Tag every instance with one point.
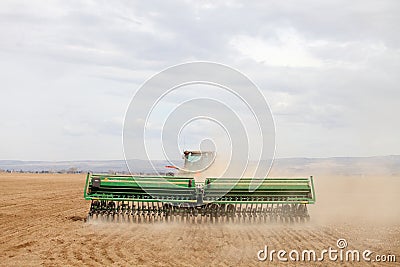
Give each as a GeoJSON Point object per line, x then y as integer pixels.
{"type": "Point", "coordinates": [130, 197]}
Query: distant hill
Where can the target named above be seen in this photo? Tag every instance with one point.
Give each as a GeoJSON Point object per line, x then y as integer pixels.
{"type": "Point", "coordinates": [389, 165]}
{"type": "Point", "coordinates": [82, 165]}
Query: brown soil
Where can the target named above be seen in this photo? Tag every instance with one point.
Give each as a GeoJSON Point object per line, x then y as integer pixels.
{"type": "Point", "coordinates": [43, 223]}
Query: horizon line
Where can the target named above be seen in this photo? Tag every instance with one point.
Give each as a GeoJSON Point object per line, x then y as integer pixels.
{"type": "Point", "coordinates": [72, 160]}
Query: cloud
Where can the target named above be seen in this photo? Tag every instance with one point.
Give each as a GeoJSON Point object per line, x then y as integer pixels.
{"type": "Point", "coordinates": [288, 50]}
{"type": "Point", "coordinates": [69, 69]}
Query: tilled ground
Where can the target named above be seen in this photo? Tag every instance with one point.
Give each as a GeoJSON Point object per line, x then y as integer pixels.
{"type": "Point", "coordinates": [42, 219]}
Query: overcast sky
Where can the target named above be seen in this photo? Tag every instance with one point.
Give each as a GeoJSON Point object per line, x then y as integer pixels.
{"type": "Point", "coordinates": [330, 71]}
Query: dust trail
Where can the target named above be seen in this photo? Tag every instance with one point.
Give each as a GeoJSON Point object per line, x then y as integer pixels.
{"type": "Point", "coordinates": [369, 199]}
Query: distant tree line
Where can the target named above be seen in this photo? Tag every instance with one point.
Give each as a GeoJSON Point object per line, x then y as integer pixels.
{"type": "Point", "coordinates": [77, 171]}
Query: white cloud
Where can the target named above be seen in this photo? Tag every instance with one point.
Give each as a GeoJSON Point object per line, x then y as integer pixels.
{"type": "Point", "coordinates": [287, 49]}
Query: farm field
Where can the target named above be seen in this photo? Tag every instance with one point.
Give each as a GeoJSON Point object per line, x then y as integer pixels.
{"type": "Point", "coordinates": [43, 223]}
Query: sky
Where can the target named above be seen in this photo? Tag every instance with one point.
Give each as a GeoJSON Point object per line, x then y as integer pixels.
{"type": "Point", "coordinates": [330, 70]}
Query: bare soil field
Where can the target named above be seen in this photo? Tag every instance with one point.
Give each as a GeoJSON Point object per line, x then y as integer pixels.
{"type": "Point", "coordinates": [42, 223]}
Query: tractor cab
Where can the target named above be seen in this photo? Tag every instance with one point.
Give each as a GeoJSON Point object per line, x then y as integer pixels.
{"type": "Point", "coordinates": [197, 161]}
